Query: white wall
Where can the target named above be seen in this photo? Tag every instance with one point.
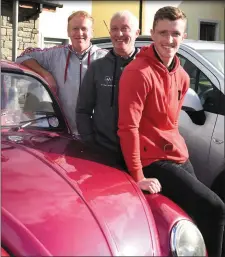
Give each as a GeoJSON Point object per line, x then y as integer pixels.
{"type": "Point", "coordinates": [54, 24]}
{"type": "Point", "coordinates": [151, 7]}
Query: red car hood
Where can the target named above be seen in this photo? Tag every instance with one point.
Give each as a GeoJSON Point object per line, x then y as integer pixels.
{"type": "Point", "coordinates": [56, 196]}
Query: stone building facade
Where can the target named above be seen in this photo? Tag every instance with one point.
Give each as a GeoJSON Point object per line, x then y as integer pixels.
{"type": "Point", "coordinates": [27, 36]}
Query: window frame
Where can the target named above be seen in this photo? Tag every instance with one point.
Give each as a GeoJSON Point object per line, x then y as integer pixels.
{"type": "Point", "coordinates": [61, 41]}
{"type": "Point", "coordinates": [217, 30]}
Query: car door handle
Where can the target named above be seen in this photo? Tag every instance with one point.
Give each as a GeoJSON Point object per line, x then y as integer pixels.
{"type": "Point", "coordinates": [217, 141]}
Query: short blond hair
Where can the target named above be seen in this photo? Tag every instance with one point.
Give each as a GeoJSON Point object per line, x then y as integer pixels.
{"type": "Point", "coordinates": [83, 14]}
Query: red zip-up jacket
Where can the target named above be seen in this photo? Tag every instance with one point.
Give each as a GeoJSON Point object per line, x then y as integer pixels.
{"type": "Point", "coordinates": [150, 100]}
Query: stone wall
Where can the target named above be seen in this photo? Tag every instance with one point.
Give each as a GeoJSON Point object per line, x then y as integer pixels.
{"type": "Point", "coordinates": [27, 36]}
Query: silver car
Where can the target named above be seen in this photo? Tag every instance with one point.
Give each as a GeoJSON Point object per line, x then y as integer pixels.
{"type": "Point", "coordinates": [202, 119]}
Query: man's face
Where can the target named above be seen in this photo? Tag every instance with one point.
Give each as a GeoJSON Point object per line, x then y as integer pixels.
{"type": "Point", "coordinates": [80, 32]}
{"type": "Point", "coordinates": [167, 36]}
{"type": "Point", "coordinates": [122, 34]}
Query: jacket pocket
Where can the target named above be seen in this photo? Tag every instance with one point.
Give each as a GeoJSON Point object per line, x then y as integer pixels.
{"type": "Point", "coordinates": [150, 149]}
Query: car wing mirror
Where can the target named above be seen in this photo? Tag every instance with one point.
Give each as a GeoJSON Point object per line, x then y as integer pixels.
{"type": "Point", "coordinates": [192, 101]}
{"type": "Point", "coordinates": [193, 107]}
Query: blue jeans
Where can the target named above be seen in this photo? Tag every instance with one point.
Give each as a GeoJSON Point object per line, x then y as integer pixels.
{"type": "Point", "coordinates": [180, 184]}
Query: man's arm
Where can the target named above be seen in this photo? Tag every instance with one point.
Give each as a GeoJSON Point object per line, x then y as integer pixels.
{"type": "Point", "coordinates": [39, 61]}
{"type": "Point", "coordinates": [133, 90]}
{"type": "Point", "coordinates": [85, 105]}
{"type": "Point", "coordinates": [35, 66]}
{"type": "Point", "coordinates": [43, 57]}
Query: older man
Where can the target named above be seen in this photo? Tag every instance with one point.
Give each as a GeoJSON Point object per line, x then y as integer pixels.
{"type": "Point", "coordinates": [65, 66]}
{"type": "Point", "coordinates": [97, 107]}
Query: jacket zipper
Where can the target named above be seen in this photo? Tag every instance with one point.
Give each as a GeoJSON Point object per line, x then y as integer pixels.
{"type": "Point", "coordinates": [80, 72]}
{"type": "Point", "coordinates": [168, 98]}
{"type": "Point", "coordinates": [88, 63]}
{"type": "Point", "coordinates": [67, 65]}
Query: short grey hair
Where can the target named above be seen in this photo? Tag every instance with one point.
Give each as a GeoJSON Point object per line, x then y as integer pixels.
{"type": "Point", "coordinates": [130, 15]}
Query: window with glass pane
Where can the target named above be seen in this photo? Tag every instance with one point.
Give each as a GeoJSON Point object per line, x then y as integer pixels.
{"type": "Point", "coordinates": [201, 84]}
{"type": "Point", "coordinates": [207, 93]}
{"type": "Point", "coordinates": [24, 98]}
{"type": "Point", "coordinates": [191, 69]}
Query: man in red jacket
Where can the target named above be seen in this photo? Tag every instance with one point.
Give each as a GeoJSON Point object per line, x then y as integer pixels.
{"type": "Point", "coordinates": [151, 93]}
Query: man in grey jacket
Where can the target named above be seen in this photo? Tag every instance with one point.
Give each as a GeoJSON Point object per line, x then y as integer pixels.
{"type": "Point", "coordinates": [65, 66]}
{"type": "Point", "coordinates": [97, 107]}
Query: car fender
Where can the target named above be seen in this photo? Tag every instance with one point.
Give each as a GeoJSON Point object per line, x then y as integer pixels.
{"type": "Point", "coordinates": [166, 214]}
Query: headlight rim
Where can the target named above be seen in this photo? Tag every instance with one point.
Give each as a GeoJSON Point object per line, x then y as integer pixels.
{"type": "Point", "coordinates": [175, 227]}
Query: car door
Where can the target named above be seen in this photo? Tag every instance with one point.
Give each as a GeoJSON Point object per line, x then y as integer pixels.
{"type": "Point", "coordinates": [199, 137]}
{"type": "Point", "coordinates": [217, 149]}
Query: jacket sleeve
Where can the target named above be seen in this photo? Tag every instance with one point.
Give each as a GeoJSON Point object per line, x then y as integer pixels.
{"type": "Point", "coordinates": [85, 105]}
{"type": "Point", "coordinates": [133, 90]}
{"type": "Point", "coordinates": [42, 56]}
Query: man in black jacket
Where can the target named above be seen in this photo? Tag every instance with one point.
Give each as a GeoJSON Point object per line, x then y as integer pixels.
{"type": "Point", "coordinates": [97, 107]}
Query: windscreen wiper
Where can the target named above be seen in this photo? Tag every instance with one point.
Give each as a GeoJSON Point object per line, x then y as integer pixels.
{"type": "Point", "coordinates": [26, 123]}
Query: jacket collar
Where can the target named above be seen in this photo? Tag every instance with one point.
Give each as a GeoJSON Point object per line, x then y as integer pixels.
{"type": "Point", "coordinates": [172, 65]}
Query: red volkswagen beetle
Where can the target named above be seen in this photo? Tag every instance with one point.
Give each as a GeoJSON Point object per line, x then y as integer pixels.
{"type": "Point", "coordinates": [61, 197]}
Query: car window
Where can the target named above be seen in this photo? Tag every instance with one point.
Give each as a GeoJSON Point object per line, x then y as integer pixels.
{"type": "Point", "coordinates": [216, 57]}
{"type": "Point", "coordinates": [191, 69]}
{"type": "Point", "coordinates": [199, 82]}
{"type": "Point", "coordinates": [24, 98]}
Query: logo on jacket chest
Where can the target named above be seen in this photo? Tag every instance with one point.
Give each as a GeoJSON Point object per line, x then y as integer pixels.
{"type": "Point", "coordinates": [108, 80]}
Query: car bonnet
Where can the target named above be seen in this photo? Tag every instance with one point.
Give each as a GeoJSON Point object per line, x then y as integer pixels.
{"type": "Point", "coordinates": [69, 203]}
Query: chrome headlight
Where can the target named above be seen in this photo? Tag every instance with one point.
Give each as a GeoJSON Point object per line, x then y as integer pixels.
{"type": "Point", "coordinates": [187, 240]}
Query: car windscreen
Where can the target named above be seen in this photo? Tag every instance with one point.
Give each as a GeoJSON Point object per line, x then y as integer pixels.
{"type": "Point", "coordinates": [216, 57]}
{"type": "Point", "coordinates": [24, 99]}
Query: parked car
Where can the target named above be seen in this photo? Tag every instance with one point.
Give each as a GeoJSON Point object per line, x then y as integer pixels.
{"type": "Point", "coordinates": [202, 119]}
{"type": "Point", "coordinates": [60, 197]}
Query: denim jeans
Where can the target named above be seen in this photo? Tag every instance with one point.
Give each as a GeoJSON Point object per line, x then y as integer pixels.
{"type": "Point", "coordinates": [180, 184]}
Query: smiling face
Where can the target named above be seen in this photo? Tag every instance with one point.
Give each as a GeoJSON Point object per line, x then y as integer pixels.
{"type": "Point", "coordinates": [80, 32]}
{"type": "Point", "coordinates": [167, 36]}
{"type": "Point", "coordinates": [123, 33]}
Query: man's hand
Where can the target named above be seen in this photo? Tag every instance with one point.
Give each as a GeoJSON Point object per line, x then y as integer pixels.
{"type": "Point", "coordinates": [151, 185]}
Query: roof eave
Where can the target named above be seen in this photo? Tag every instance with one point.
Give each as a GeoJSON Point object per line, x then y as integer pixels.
{"type": "Point", "coordinates": [46, 3]}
